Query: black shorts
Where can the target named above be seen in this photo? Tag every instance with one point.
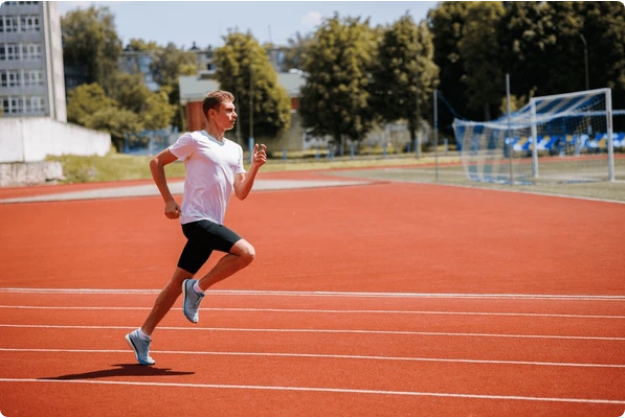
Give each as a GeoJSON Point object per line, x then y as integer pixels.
{"type": "Point", "coordinates": [203, 237]}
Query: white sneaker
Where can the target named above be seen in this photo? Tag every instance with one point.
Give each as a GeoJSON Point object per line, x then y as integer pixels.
{"type": "Point", "coordinates": [191, 301]}
{"type": "Point", "coordinates": [141, 348]}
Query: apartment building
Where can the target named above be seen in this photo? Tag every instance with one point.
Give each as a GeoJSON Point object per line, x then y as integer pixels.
{"type": "Point", "coordinates": [31, 60]}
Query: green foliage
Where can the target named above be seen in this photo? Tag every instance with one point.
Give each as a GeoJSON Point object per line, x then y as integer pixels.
{"type": "Point", "coordinates": [132, 108]}
{"type": "Point", "coordinates": [271, 103]}
{"type": "Point", "coordinates": [538, 43]}
{"type": "Point", "coordinates": [295, 51]}
{"type": "Point", "coordinates": [446, 25]}
{"type": "Point", "coordinates": [90, 41]}
{"type": "Point", "coordinates": [157, 112]}
{"type": "Point", "coordinates": [480, 52]}
{"type": "Point", "coordinates": [170, 63]}
{"type": "Point", "coordinates": [404, 74]}
{"type": "Point", "coordinates": [116, 121]}
{"type": "Point", "coordinates": [137, 44]}
{"type": "Point", "coordinates": [335, 99]}
{"type": "Point", "coordinates": [86, 100]}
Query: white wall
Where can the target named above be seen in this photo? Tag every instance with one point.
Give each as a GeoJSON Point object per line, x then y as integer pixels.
{"type": "Point", "coordinates": [31, 139]}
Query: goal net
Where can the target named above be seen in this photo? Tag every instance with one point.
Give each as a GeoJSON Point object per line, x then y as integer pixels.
{"type": "Point", "coordinates": [555, 139]}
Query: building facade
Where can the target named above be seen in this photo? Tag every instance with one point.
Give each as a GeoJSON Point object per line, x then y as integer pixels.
{"type": "Point", "coordinates": [133, 62]}
{"type": "Point", "coordinates": [31, 60]}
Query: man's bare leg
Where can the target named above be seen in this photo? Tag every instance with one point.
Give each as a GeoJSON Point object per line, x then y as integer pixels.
{"type": "Point", "coordinates": [165, 300]}
{"type": "Point", "coordinates": [241, 255]}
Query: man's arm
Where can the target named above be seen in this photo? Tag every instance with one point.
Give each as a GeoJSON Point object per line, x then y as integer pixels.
{"type": "Point", "coordinates": [157, 166]}
{"type": "Point", "coordinates": [243, 183]}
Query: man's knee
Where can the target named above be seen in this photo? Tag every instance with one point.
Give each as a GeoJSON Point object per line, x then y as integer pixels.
{"type": "Point", "coordinates": [245, 250]}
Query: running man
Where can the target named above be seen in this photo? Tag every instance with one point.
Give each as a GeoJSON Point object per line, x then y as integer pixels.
{"type": "Point", "coordinates": [214, 169]}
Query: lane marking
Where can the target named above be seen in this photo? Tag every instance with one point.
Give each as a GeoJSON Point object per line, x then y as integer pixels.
{"type": "Point", "coordinates": [322, 294]}
{"type": "Point", "coordinates": [313, 389]}
{"type": "Point", "coordinates": [322, 311]}
{"type": "Point", "coordinates": [328, 331]}
{"type": "Point", "coordinates": [325, 356]}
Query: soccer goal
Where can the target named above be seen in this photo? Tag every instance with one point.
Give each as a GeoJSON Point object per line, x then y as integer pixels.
{"type": "Point", "coordinates": [554, 139]}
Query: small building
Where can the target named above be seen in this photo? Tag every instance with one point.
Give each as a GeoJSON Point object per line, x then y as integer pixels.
{"type": "Point", "coordinates": [194, 88]}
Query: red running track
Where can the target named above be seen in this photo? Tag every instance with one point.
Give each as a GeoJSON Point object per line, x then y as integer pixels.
{"type": "Point", "coordinates": [414, 352]}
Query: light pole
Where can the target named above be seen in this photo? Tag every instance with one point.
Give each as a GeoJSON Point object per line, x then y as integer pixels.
{"type": "Point", "coordinates": [251, 137]}
{"type": "Point", "coordinates": [585, 59]}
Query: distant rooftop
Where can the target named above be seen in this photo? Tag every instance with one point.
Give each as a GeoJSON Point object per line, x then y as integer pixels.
{"type": "Point", "coordinates": [194, 87]}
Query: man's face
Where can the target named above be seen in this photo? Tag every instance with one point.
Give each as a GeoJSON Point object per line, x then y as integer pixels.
{"type": "Point", "coordinates": [226, 117]}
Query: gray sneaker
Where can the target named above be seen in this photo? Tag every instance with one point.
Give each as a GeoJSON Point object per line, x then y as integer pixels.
{"type": "Point", "coordinates": [141, 348]}
{"type": "Point", "coordinates": [191, 301]}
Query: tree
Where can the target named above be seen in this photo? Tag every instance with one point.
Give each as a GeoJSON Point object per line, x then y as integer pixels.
{"type": "Point", "coordinates": [446, 25]}
{"type": "Point", "coordinates": [295, 51]}
{"type": "Point", "coordinates": [153, 108]}
{"type": "Point", "coordinates": [239, 59]}
{"type": "Point", "coordinates": [335, 99]}
{"type": "Point", "coordinates": [404, 73]}
{"type": "Point", "coordinates": [137, 44]}
{"type": "Point", "coordinates": [526, 34]}
{"type": "Point", "coordinates": [91, 42]}
{"type": "Point", "coordinates": [89, 106]}
{"type": "Point", "coordinates": [86, 100]}
{"type": "Point", "coordinates": [480, 52]}
{"type": "Point", "coordinates": [169, 64]}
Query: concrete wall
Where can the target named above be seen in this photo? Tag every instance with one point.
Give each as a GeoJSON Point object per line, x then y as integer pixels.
{"type": "Point", "coordinates": [23, 174]}
{"type": "Point", "coordinates": [31, 139]}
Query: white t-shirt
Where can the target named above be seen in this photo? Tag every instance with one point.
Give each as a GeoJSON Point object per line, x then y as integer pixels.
{"type": "Point", "coordinates": [211, 167]}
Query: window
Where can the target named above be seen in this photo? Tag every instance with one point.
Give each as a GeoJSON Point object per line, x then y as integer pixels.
{"type": "Point", "coordinates": [17, 105]}
{"type": "Point", "coordinates": [33, 78]}
{"type": "Point", "coordinates": [32, 51]}
{"type": "Point", "coordinates": [14, 78]}
{"type": "Point", "coordinates": [34, 104]}
{"type": "Point", "coordinates": [12, 52]}
{"type": "Point", "coordinates": [10, 24]}
{"type": "Point", "coordinates": [3, 79]}
{"type": "Point", "coordinates": [5, 105]}
{"type": "Point", "coordinates": [29, 23]}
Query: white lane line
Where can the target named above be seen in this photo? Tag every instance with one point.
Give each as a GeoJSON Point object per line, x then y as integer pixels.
{"type": "Point", "coordinates": [328, 331]}
{"type": "Point", "coordinates": [324, 390]}
{"type": "Point", "coordinates": [323, 294]}
{"type": "Point", "coordinates": [320, 311]}
{"type": "Point", "coordinates": [325, 356]}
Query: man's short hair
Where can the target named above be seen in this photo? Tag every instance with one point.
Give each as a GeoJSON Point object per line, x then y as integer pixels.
{"type": "Point", "coordinates": [214, 99]}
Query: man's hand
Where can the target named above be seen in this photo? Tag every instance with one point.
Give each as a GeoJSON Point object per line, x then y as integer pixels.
{"type": "Point", "coordinates": [172, 210]}
{"type": "Point", "coordinates": [260, 155]}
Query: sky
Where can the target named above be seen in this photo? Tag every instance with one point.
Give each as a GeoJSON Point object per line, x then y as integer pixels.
{"type": "Point", "coordinates": [205, 22]}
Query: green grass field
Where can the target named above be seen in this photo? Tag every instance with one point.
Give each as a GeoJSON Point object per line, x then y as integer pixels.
{"type": "Point", "coordinates": [394, 167]}
{"type": "Point", "coordinates": [455, 175]}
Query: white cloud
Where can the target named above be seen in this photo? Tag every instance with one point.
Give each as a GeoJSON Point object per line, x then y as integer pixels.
{"type": "Point", "coordinates": [311, 19]}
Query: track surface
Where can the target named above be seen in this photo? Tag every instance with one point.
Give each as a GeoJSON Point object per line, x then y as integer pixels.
{"type": "Point", "coordinates": [380, 299]}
